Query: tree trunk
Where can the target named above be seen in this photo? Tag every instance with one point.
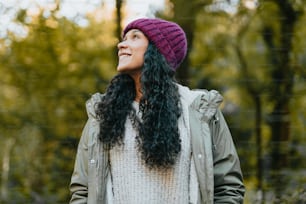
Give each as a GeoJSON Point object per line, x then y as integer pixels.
{"type": "Point", "coordinates": [259, 155]}
{"type": "Point", "coordinates": [254, 91]}
{"type": "Point", "coordinates": [282, 88]}
{"type": "Point", "coordinates": [9, 143]}
{"type": "Point", "coordinates": [118, 18]}
{"type": "Point", "coordinates": [185, 15]}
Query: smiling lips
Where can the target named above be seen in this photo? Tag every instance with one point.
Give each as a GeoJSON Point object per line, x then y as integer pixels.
{"type": "Point", "coordinates": [123, 54]}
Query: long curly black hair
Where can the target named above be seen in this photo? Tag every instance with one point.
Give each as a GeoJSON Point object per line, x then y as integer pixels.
{"type": "Point", "coordinates": [158, 135]}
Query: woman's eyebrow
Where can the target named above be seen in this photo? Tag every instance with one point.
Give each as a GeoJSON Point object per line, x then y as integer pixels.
{"type": "Point", "coordinates": [135, 31]}
{"type": "Point", "coordinates": [131, 33]}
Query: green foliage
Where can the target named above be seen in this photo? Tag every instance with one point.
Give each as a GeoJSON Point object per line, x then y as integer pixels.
{"type": "Point", "coordinates": [244, 55]}
{"type": "Point", "coordinates": [47, 77]}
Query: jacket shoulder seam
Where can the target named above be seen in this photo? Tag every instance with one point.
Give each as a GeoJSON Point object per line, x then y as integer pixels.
{"type": "Point", "coordinates": [91, 105]}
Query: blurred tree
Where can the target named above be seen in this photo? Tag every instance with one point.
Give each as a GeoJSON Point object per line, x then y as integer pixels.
{"type": "Point", "coordinates": [184, 15]}
{"type": "Point", "coordinates": [230, 38]}
{"type": "Point", "coordinates": [237, 48]}
{"type": "Point", "coordinates": [279, 38]}
{"type": "Point", "coordinates": [118, 18]}
{"type": "Point", "coordinates": [48, 76]}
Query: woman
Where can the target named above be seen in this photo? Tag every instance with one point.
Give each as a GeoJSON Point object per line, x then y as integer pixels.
{"type": "Point", "coordinates": [151, 140]}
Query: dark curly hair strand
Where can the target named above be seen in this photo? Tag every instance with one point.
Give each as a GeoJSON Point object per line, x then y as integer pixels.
{"type": "Point", "coordinates": [158, 139]}
{"type": "Point", "coordinates": [113, 109]}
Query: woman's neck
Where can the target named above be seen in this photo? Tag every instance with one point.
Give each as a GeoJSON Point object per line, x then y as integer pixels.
{"type": "Point", "coordinates": [138, 91]}
{"type": "Point", "coordinates": [136, 78]}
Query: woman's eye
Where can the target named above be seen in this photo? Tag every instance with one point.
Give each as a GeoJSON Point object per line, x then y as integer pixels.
{"type": "Point", "coordinates": [135, 36]}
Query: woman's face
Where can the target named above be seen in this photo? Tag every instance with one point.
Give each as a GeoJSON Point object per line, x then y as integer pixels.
{"type": "Point", "coordinates": [131, 51]}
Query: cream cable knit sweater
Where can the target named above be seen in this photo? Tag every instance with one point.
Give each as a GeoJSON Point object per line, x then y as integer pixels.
{"type": "Point", "coordinates": [134, 183]}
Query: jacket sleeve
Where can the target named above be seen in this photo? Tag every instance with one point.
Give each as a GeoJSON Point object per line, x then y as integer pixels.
{"type": "Point", "coordinates": [80, 188]}
{"type": "Point", "coordinates": [79, 179]}
{"type": "Point", "coordinates": [228, 183]}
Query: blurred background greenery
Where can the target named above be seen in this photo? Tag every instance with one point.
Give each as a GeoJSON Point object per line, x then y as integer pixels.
{"type": "Point", "coordinates": [252, 51]}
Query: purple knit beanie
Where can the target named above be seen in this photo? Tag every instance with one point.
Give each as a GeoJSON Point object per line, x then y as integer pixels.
{"type": "Point", "coordinates": [168, 37]}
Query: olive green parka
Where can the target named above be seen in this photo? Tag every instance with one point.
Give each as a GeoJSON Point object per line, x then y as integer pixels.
{"type": "Point", "coordinates": [216, 161]}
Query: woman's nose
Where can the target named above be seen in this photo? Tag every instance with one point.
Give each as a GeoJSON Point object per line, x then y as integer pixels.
{"type": "Point", "coordinates": [121, 44]}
